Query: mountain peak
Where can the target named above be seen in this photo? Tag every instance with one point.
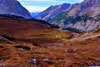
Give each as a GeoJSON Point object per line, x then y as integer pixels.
{"type": "Point", "coordinates": [13, 7]}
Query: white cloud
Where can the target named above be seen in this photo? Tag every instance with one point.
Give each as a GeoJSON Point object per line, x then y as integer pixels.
{"type": "Point", "coordinates": [35, 8]}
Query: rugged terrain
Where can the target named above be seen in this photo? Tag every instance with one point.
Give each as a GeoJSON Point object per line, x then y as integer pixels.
{"type": "Point", "coordinates": [82, 17]}
{"type": "Point", "coordinates": [36, 43]}
{"type": "Point", "coordinates": [13, 7]}
{"type": "Point", "coordinates": [30, 43]}
{"type": "Point", "coordinates": [52, 11]}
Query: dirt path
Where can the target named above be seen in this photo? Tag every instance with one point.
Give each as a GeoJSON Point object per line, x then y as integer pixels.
{"type": "Point", "coordinates": [85, 36]}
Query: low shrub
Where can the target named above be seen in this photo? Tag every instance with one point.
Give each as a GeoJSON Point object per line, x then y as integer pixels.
{"type": "Point", "coordinates": [36, 44]}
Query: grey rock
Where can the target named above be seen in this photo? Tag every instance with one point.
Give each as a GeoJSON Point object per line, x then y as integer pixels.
{"type": "Point", "coordinates": [3, 38]}
{"type": "Point", "coordinates": [34, 60]}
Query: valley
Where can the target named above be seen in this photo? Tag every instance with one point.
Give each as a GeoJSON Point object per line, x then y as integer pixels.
{"type": "Point", "coordinates": [42, 45]}
{"type": "Point", "coordinates": [66, 35]}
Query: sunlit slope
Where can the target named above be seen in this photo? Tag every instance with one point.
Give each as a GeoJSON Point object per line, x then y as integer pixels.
{"type": "Point", "coordinates": [76, 54]}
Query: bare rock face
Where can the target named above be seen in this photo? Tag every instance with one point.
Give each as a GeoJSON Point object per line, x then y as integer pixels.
{"type": "Point", "coordinates": [13, 7]}
{"type": "Point", "coordinates": [87, 7]}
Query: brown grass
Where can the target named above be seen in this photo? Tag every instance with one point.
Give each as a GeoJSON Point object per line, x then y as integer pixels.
{"type": "Point", "coordinates": [59, 52]}
{"type": "Point", "coordinates": [74, 54]}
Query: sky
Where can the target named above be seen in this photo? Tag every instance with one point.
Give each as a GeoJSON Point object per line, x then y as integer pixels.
{"type": "Point", "coordinates": [40, 5]}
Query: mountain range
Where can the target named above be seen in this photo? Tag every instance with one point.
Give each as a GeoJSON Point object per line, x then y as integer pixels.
{"type": "Point", "coordinates": [80, 17]}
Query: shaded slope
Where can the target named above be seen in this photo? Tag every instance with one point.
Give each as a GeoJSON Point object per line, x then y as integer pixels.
{"type": "Point", "coordinates": [13, 7]}
{"type": "Point", "coordinates": [30, 30]}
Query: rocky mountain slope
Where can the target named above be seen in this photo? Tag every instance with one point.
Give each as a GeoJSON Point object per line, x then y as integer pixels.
{"type": "Point", "coordinates": [83, 17]}
{"type": "Point", "coordinates": [52, 11]}
{"type": "Point", "coordinates": [13, 7]}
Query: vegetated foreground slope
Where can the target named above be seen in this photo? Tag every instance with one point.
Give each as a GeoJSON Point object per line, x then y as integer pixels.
{"type": "Point", "coordinates": [64, 54]}
{"type": "Point", "coordinates": [18, 37]}
{"type": "Point", "coordinates": [41, 45]}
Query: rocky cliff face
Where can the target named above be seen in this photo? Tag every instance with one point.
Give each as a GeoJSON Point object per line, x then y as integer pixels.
{"type": "Point", "coordinates": [13, 7]}
{"type": "Point", "coordinates": [82, 17]}
{"type": "Point", "coordinates": [52, 11]}
{"type": "Point", "coordinates": [89, 7]}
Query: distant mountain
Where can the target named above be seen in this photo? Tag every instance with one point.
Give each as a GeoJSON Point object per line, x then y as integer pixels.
{"type": "Point", "coordinates": [33, 14]}
{"type": "Point", "coordinates": [52, 11]}
{"type": "Point", "coordinates": [83, 17]}
{"type": "Point", "coordinates": [13, 7]}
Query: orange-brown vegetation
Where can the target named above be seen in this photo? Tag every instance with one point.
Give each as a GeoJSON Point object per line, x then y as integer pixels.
{"type": "Point", "coordinates": [31, 31]}
{"type": "Point", "coordinates": [72, 54]}
{"type": "Point", "coordinates": [39, 45]}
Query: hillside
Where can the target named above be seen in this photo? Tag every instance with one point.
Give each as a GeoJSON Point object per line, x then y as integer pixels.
{"type": "Point", "coordinates": [29, 30]}
{"type": "Point", "coordinates": [13, 7]}
{"type": "Point", "coordinates": [41, 45]}
{"type": "Point", "coordinates": [83, 17]}
{"type": "Point", "coordinates": [52, 11]}
{"type": "Point", "coordinates": [16, 31]}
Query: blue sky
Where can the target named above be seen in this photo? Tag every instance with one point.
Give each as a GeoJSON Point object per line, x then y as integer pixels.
{"type": "Point", "coordinates": [40, 5]}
